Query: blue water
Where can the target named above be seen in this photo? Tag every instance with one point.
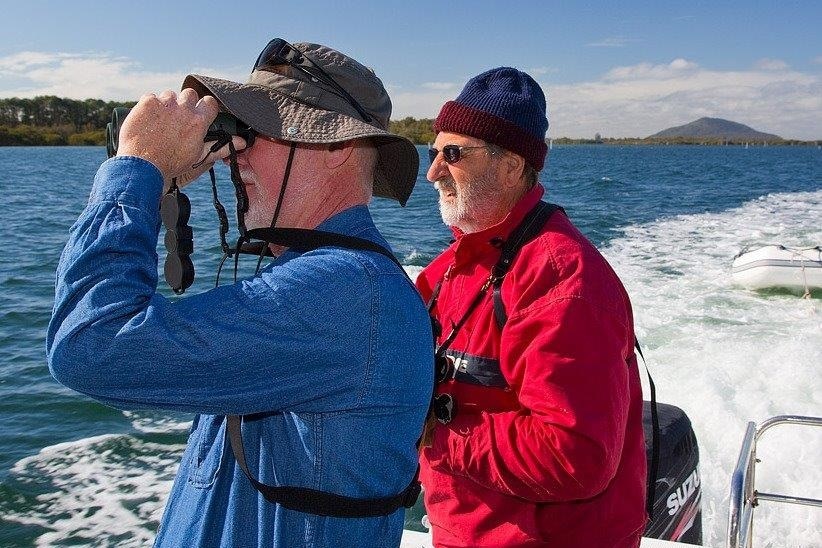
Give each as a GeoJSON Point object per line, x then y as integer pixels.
{"type": "Point", "coordinates": [73, 472]}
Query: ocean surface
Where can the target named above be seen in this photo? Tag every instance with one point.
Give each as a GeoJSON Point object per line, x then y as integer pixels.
{"type": "Point", "coordinates": [669, 219]}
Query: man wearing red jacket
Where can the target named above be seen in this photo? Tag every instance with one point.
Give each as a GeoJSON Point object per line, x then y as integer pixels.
{"type": "Point", "coordinates": [538, 439]}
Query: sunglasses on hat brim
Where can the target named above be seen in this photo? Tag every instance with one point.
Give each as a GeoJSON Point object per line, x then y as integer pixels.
{"type": "Point", "coordinates": [279, 52]}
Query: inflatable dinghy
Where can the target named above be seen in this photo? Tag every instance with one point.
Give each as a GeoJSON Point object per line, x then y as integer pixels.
{"type": "Point", "coordinates": [779, 266]}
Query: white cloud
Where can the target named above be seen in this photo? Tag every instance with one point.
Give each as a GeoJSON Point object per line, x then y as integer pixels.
{"type": "Point", "coordinates": [817, 60]}
{"type": "Point", "coordinates": [86, 75]}
{"type": "Point", "coordinates": [771, 64]}
{"type": "Point", "coordinates": [642, 99]}
{"type": "Point", "coordinates": [25, 59]}
{"type": "Point", "coordinates": [419, 103]}
{"type": "Point", "coordinates": [675, 69]}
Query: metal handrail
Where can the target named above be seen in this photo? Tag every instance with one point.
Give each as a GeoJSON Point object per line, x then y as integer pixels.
{"type": "Point", "coordinates": [744, 498]}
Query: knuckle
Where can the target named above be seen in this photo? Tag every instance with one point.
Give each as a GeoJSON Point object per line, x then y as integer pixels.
{"type": "Point", "coordinates": [188, 94]}
{"type": "Point", "coordinates": [149, 98]}
{"type": "Point", "coordinates": [167, 95]}
{"type": "Point", "coordinates": [210, 102]}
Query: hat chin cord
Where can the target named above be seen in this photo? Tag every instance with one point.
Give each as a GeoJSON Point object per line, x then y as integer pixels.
{"type": "Point", "coordinates": [242, 208]}
{"type": "Point", "coordinates": [178, 275]}
{"type": "Point", "coordinates": [292, 149]}
{"type": "Point", "coordinates": [244, 244]}
{"type": "Point", "coordinates": [298, 238]}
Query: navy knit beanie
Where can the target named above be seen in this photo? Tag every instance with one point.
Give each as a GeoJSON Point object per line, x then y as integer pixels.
{"type": "Point", "coordinates": [503, 106]}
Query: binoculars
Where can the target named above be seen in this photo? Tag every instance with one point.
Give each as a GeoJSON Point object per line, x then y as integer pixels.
{"type": "Point", "coordinates": [224, 124]}
{"type": "Point", "coordinates": [175, 207]}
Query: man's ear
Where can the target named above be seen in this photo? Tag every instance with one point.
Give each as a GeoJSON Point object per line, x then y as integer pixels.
{"type": "Point", "coordinates": [338, 154]}
{"type": "Point", "coordinates": [512, 166]}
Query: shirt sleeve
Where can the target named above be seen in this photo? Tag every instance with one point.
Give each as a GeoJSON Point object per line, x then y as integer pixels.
{"type": "Point", "coordinates": [270, 343]}
{"type": "Point", "coordinates": [566, 361]}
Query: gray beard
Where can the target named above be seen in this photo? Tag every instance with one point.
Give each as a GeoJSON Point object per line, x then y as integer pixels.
{"type": "Point", "coordinates": [471, 205]}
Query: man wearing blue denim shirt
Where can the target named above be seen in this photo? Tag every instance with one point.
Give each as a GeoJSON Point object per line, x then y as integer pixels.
{"type": "Point", "coordinates": [325, 353]}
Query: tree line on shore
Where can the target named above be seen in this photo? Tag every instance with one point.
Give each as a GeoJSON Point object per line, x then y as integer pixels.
{"type": "Point", "coordinates": [51, 120]}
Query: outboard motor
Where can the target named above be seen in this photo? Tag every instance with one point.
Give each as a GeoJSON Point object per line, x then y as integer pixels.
{"type": "Point", "coordinates": [678, 494]}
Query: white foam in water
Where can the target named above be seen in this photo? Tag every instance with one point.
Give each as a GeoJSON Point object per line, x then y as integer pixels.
{"type": "Point", "coordinates": [727, 356]}
{"type": "Point", "coordinates": [106, 491]}
{"type": "Point", "coordinates": [723, 354]}
{"type": "Point", "coordinates": [413, 271]}
{"type": "Point", "coordinates": [156, 423]}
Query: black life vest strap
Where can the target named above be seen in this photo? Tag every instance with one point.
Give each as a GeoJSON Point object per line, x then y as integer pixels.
{"type": "Point", "coordinates": [312, 501]}
{"type": "Point", "coordinates": [303, 499]}
{"type": "Point", "coordinates": [526, 231]}
{"type": "Point", "coordinates": [307, 239]}
{"type": "Point", "coordinates": [654, 470]}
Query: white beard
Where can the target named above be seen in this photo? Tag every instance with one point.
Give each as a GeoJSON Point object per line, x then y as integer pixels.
{"type": "Point", "coordinates": [260, 208]}
{"type": "Point", "coordinates": [468, 207]}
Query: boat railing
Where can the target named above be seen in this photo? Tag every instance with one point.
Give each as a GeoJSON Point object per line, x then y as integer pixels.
{"type": "Point", "coordinates": [744, 496]}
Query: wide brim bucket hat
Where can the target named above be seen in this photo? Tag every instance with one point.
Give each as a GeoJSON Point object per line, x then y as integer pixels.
{"type": "Point", "coordinates": [286, 103]}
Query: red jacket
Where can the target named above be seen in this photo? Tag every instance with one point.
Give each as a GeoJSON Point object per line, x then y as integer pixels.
{"type": "Point", "coordinates": [546, 447]}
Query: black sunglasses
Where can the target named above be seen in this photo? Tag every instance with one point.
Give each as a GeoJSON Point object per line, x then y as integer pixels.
{"type": "Point", "coordinates": [452, 153]}
{"type": "Point", "coordinates": [280, 52]}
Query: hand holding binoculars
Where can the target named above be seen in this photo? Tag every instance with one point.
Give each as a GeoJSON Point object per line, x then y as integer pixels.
{"type": "Point", "coordinates": [222, 128]}
{"type": "Point", "coordinates": [175, 207]}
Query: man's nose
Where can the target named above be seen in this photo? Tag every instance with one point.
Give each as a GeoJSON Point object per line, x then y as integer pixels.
{"type": "Point", "coordinates": [438, 169]}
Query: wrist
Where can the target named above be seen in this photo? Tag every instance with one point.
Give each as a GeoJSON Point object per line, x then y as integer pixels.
{"type": "Point", "coordinates": [130, 181]}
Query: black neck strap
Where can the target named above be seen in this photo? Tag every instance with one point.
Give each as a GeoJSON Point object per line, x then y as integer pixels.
{"type": "Point", "coordinates": [527, 230]}
{"type": "Point", "coordinates": [306, 239]}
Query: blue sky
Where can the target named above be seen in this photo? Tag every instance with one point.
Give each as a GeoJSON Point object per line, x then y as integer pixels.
{"type": "Point", "coordinates": [621, 69]}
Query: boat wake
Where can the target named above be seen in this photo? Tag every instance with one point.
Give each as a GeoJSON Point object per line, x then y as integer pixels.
{"type": "Point", "coordinates": [727, 355]}
{"type": "Point", "coordinates": [106, 490]}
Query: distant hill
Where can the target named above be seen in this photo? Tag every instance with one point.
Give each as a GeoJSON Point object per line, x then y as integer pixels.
{"type": "Point", "coordinates": [716, 128]}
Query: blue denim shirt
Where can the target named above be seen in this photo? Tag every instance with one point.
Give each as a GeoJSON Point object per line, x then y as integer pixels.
{"type": "Point", "coordinates": [330, 351]}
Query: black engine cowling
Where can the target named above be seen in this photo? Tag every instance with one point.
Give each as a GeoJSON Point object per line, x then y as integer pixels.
{"type": "Point", "coordinates": [678, 495]}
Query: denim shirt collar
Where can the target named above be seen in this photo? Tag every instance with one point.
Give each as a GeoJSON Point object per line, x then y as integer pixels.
{"type": "Point", "coordinates": [354, 221]}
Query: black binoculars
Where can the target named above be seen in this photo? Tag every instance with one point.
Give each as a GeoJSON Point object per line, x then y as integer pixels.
{"type": "Point", "coordinates": [175, 207]}
{"type": "Point", "coordinates": [224, 126]}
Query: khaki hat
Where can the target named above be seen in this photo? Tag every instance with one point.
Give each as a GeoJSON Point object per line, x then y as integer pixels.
{"type": "Point", "coordinates": [286, 103]}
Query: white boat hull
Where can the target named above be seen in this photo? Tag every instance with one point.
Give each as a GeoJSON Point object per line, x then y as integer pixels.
{"type": "Point", "coordinates": [779, 266]}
